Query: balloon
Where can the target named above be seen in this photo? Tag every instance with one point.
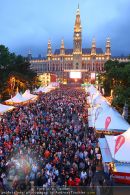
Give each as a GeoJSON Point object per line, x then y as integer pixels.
{"type": "Point", "coordinates": [107, 122]}
{"type": "Point", "coordinates": [119, 142]}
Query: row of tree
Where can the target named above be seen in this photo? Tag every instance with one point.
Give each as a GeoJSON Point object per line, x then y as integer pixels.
{"type": "Point", "coordinates": [116, 80]}
{"type": "Point", "coordinates": [15, 73]}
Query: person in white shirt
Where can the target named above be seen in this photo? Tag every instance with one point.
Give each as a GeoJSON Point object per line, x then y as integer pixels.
{"type": "Point", "coordinates": [98, 158]}
{"type": "Point", "coordinates": [96, 150]}
{"type": "Point", "coordinates": [83, 175]}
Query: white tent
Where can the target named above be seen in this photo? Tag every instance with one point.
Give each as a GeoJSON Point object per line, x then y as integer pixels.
{"type": "Point", "coordinates": [44, 89]}
{"type": "Point", "coordinates": [18, 98]}
{"type": "Point", "coordinates": [5, 108]}
{"type": "Point", "coordinates": [40, 89]}
{"type": "Point", "coordinates": [28, 95]}
{"type": "Point", "coordinates": [120, 146]}
{"type": "Point", "coordinates": [47, 89]}
{"type": "Point", "coordinates": [95, 111]}
{"type": "Point", "coordinates": [111, 120]}
{"type": "Point", "coordinates": [106, 154]}
{"type": "Point", "coordinates": [98, 99]}
{"type": "Point", "coordinates": [92, 90]}
{"type": "Point", "coordinates": [89, 100]}
{"type": "Point", "coordinates": [54, 84]}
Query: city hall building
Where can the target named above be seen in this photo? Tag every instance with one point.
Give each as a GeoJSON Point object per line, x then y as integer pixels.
{"type": "Point", "coordinates": [80, 61]}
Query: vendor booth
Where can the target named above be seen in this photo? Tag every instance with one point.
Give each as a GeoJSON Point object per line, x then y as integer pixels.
{"type": "Point", "coordinates": [92, 90]}
{"type": "Point", "coordinates": [17, 99]}
{"type": "Point", "coordinates": [110, 121]}
{"type": "Point", "coordinates": [115, 154]}
{"type": "Point", "coordinates": [95, 111]}
{"type": "Point", "coordinates": [5, 108]}
{"type": "Point", "coordinates": [29, 96]}
{"type": "Point", "coordinates": [39, 90]}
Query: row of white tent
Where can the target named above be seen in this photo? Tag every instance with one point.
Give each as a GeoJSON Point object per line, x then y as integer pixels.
{"type": "Point", "coordinates": [104, 117]}
{"type": "Point", "coordinates": [5, 108]}
{"type": "Point", "coordinates": [101, 115]}
{"type": "Point", "coordinates": [46, 89]}
{"type": "Point", "coordinates": [26, 96]}
{"type": "Point", "coordinates": [18, 98]}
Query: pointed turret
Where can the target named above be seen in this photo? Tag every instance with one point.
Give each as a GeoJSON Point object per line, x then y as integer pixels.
{"type": "Point", "coordinates": [77, 44]}
{"type": "Point", "coordinates": [62, 48]}
{"type": "Point", "coordinates": [49, 49]}
{"type": "Point", "coordinates": [93, 49]}
{"type": "Point", "coordinates": [78, 27]}
{"type": "Point", "coordinates": [29, 54]}
{"type": "Point", "coordinates": [78, 33]}
{"type": "Point", "coordinates": [108, 49]}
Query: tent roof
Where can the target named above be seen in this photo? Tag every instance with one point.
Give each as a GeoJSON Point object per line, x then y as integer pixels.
{"type": "Point", "coordinates": [99, 99]}
{"type": "Point", "coordinates": [122, 154]}
{"type": "Point", "coordinates": [40, 89]}
{"type": "Point", "coordinates": [28, 95]}
{"type": "Point", "coordinates": [106, 155]}
{"type": "Point", "coordinates": [95, 111]}
{"type": "Point", "coordinates": [5, 108]}
{"type": "Point", "coordinates": [117, 121]}
{"type": "Point", "coordinates": [17, 99]}
{"type": "Point", "coordinates": [92, 90]}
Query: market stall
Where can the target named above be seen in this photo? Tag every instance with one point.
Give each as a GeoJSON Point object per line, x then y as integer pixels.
{"type": "Point", "coordinates": [115, 153]}
{"type": "Point", "coordinates": [17, 99]}
{"type": "Point", "coordinates": [5, 108]}
{"type": "Point", "coordinates": [29, 96]}
{"type": "Point", "coordinates": [110, 121]}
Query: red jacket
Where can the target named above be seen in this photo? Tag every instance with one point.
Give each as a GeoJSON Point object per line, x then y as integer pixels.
{"type": "Point", "coordinates": [77, 181]}
{"type": "Point", "coordinates": [70, 182]}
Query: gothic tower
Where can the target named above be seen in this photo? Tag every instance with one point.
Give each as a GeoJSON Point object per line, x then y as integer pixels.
{"type": "Point", "coordinates": [77, 42]}
{"type": "Point", "coordinates": [93, 49]}
{"type": "Point", "coordinates": [49, 50]}
{"type": "Point", "coordinates": [62, 48]}
{"type": "Point", "coordinates": [29, 55]}
{"type": "Point", "coordinates": [108, 49]}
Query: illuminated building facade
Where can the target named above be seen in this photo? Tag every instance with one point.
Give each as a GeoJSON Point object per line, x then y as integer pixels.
{"type": "Point", "coordinates": [47, 78]}
{"type": "Point", "coordinates": [64, 60]}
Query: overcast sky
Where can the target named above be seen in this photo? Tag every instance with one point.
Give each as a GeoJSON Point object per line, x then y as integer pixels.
{"type": "Point", "coordinates": [28, 24]}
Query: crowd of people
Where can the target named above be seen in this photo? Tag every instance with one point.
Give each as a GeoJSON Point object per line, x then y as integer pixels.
{"type": "Point", "coordinates": [48, 143]}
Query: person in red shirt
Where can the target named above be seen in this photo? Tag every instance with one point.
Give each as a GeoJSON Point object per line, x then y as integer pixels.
{"type": "Point", "coordinates": [47, 154]}
{"type": "Point", "coordinates": [77, 181]}
{"type": "Point", "coordinates": [70, 182]}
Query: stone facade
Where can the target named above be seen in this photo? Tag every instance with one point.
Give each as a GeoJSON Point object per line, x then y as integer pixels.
{"type": "Point", "coordinates": [64, 60]}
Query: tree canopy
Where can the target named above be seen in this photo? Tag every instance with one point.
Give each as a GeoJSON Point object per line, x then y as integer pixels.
{"type": "Point", "coordinates": [15, 73]}
{"type": "Point", "coordinates": [117, 78]}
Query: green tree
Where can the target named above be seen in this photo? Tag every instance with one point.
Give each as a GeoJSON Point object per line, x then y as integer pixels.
{"type": "Point", "coordinates": [15, 66]}
{"type": "Point", "coordinates": [117, 78]}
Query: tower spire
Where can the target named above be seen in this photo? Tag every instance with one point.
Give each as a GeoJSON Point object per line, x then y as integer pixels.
{"type": "Point", "coordinates": [93, 50]}
{"type": "Point", "coordinates": [108, 48]}
{"type": "Point", "coordinates": [49, 49]}
{"type": "Point", "coordinates": [29, 54]}
{"type": "Point", "coordinates": [78, 27]}
{"type": "Point", "coordinates": [62, 44]}
{"type": "Point", "coordinates": [62, 48]}
{"type": "Point", "coordinates": [77, 44]}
